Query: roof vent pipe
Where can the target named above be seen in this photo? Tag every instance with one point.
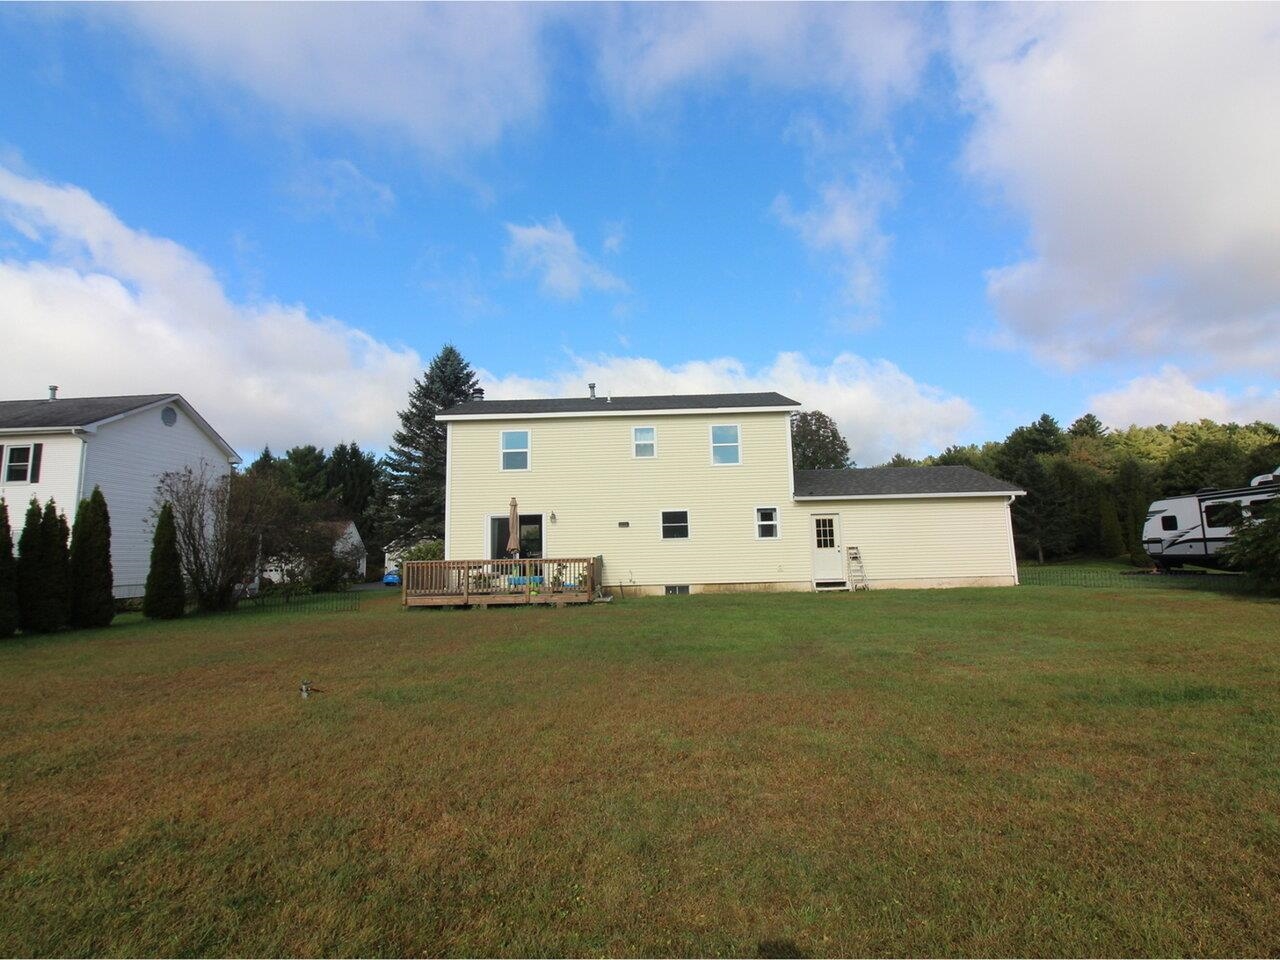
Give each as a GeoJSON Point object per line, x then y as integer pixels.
{"type": "Point", "coordinates": [592, 388]}
{"type": "Point", "coordinates": [53, 391]}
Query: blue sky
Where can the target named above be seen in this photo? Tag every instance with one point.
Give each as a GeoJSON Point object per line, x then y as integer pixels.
{"type": "Point", "coordinates": [934, 223]}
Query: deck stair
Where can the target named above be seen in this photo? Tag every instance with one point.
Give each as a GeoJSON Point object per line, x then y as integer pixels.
{"type": "Point", "coordinates": [857, 572]}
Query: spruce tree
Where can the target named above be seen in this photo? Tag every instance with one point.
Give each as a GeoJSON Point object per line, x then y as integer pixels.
{"type": "Point", "coordinates": [415, 462]}
{"type": "Point", "coordinates": [92, 603]}
{"type": "Point", "coordinates": [8, 576]}
{"type": "Point", "coordinates": [165, 597]}
{"type": "Point", "coordinates": [29, 568]}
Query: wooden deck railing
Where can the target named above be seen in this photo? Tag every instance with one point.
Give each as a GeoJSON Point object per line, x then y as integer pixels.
{"type": "Point", "coordinates": [482, 582]}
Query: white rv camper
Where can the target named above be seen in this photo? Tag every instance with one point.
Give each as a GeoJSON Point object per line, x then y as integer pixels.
{"type": "Point", "coordinates": [1192, 529]}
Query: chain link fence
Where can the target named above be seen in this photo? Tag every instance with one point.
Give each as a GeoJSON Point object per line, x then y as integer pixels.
{"type": "Point", "coordinates": [1100, 578]}
{"type": "Point", "coordinates": [346, 601]}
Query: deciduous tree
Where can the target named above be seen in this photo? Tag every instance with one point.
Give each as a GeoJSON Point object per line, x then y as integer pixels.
{"type": "Point", "coordinates": [816, 442]}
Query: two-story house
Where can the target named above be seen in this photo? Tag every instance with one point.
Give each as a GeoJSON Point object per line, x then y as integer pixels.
{"type": "Point", "coordinates": [698, 492]}
{"type": "Point", "coordinates": [61, 449]}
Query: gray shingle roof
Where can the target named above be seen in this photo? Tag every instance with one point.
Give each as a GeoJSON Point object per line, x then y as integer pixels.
{"type": "Point", "coordinates": [897, 482]}
{"type": "Point", "coordinates": [695, 401]}
{"type": "Point", "coordinates": [70, 411]}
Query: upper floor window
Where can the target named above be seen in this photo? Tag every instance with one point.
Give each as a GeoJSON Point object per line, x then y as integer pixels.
{"type": "Point", "coordinates": [18, 465]}
{"type": "Point", "coordinates": [644, 442]}
{"type": "Point", "coordinates": [515, 449]}
{"type": "Point", "coordinates": [725, 449]}
{"type": "Point", "coordinates": [767, 523]}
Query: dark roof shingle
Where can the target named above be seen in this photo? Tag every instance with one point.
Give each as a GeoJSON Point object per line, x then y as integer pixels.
{"type": "Point", "coordinates": [897, 482]}
{"type": "Point", "coordinates": [70, 411]}
{"type": "Point", "coordinates": [695, 401]}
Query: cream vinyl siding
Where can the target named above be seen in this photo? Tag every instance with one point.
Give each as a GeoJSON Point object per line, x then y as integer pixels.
{"type": "Point", "coordinates": [59, 475]}
{"type": "Point", "coordinates": [584, 471]}
{"type": "Point", "coordinates": [926, 540]}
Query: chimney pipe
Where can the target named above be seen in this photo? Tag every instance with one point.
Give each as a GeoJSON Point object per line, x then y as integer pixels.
{"type": "Point", "coordinates": [53, 391]}
{"type": "Point", "coordinates": [592, 388]}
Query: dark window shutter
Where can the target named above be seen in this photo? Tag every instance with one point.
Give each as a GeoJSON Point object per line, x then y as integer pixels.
{"type": "Point", "coordinates": [36, 450]}
{"type": "Point", "coordinates": [2, 476]}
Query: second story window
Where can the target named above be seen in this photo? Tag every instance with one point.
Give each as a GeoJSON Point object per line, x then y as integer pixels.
{"type": "Point", "coordinates": [644, 442]}
{"type": "Point", "coordinates": [725, 450]}
{"type": "Point", "coordinates": [18, 465]}
{"type": "Point", "coordinates": [515, 449]}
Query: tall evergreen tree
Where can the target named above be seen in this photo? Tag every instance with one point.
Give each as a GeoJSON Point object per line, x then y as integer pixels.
{"type": "Point", "coordinates": [8, 576]}
{"type": "Point", "coordinates": [304, 470]}
{"type": "Point", "coordinates": [92, 603]}
{"type": "Point", "coordinates": [266, 466]}
{"type": "Point", "coordinates": [30, 568]}
{"type": "Point", "coordinates": [55, 579]}
{"type": "Point", "coordinates": [816, 442]}
{"type": "Point", "coordinates": [350, 475]}
{"type": "Point", "coordinates": [1087, 426]}
{"type": "Point", "coordinates": [415, 462]}
{"type": "Point", "coordinates": [165, 597]}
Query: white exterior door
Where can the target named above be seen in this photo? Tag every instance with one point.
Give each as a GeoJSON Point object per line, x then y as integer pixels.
{"type": "Point", "coordinates": [828, 560]}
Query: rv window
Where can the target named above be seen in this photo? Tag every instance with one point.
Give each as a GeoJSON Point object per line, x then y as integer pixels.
{"type": "Point", "coordinates": [1168, 522]}
{"type": "Point", "coordinates": [1222, 514]}
{"type": "Point", "coordinates": [1257, 506]}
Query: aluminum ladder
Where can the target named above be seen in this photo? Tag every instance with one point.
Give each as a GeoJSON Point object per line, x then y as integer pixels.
{"type": "Point", "coordinates": [857, 572]}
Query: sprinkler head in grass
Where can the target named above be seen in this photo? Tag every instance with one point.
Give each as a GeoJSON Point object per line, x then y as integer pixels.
{"type": "Point", "coordinates": [306, 689]}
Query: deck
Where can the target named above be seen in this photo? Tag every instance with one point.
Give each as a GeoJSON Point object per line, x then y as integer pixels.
{"type": "Point", "coordinates": [483, 583]}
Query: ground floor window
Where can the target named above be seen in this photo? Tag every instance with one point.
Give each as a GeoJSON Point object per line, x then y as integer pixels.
{"type": "Point", "coordinates": [675, 524]}
{"type": "Point", "coordinates": [767, 523]}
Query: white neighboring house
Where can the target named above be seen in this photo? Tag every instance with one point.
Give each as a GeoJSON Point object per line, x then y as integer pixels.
{"type": "Point", "coordinates": [61, 449]}
{"type": "Point", "coordinates": [347, 544]}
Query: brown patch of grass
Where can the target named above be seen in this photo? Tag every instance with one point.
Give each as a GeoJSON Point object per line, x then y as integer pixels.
{"type": "Point", "coordinates": [1035, 771]}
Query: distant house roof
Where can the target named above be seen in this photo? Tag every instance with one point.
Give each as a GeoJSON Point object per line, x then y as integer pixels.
{"type": "Point", "coordinates": [573, 406]}
{"type": "Point", "coordinates": [84, 413]}
{"type": "Point", "coordinates": [883, 482]}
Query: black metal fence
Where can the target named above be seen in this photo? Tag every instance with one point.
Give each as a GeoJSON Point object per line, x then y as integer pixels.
{"type": "Point", "coordinates": [346, 601]}
{"type": "Point", "coordinates": [1098, 578]}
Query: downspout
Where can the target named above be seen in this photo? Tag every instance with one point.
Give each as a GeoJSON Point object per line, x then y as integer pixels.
{"type": "Point", "coordinates": [448, 481]}
{"type": "Point", "coordinates": [83, 437]}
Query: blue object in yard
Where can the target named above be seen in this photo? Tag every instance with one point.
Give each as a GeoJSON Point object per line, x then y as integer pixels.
{"type": "Point", "coordinates": [521, 581]}
{"type": "Point", "coordinates": [391, 578]}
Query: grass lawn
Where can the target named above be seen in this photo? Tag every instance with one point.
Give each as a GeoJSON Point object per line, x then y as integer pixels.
{"type": "Point", "coordinates": [1020, 771]}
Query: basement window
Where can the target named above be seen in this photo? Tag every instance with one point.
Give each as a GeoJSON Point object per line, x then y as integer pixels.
{"type": "Point", "coordinates": [676, 590]}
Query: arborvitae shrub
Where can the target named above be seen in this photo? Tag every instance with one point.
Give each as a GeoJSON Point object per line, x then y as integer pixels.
{"type": "Point", "coordinates": [165, 597]}
{"type": "Point", "coordinates": [92, 603]}
{"type": "Point", "coordinates": [29, 564]}
{"type": "Point", "coordinates": [8, 576]}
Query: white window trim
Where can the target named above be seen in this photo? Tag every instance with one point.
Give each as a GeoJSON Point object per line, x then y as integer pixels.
{"type": "Point", "coordinates": [527, 451]}
{"type": "Point", "coordinates": [711, 438]}
{"type": "Point", "coordinates": [8, 454]}
{"type": "Point", "coordinates": [635, 442]}
{"type": "Point", "coordinates": [777, 522]}
{"type": "Point", "coordinates": [688, 524]}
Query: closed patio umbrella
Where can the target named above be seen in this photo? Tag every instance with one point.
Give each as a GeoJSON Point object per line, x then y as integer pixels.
{"type": "Point", "coordinates": [513, 538]}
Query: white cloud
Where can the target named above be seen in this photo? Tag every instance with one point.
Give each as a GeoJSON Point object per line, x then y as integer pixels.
{"type": "Point", "coordinates": [1170, 396]}
{"type": "Point", "coordinates": [873, 53]}
{"type": "Point", "coordinates": [446, 77]}
{"type": "Point", "coordinates": [550, 251]}
{"type": "Point", "coordinates": [845, 221]}
{"type": "Point", "coordinates": [101, 308]}
{"type": "Point", "coordinates": [1142, 142]}
{"type": "Point", "coordinates": [880, 409]}
{"type": "Point", "coordinates": [339, 190]}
